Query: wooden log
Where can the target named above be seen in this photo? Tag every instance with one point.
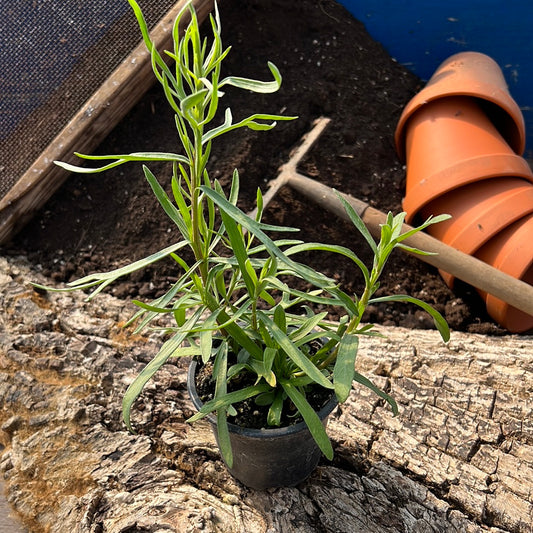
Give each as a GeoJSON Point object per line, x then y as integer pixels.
{"type": "Point", "coordinates": [458, 458]}
{"type": "Point", "coordinates": [99, 115]}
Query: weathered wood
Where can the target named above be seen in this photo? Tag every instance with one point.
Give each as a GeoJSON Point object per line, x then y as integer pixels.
{"type": "Point", "coordinates": [99, 115]}
{"type": "Point", "coordinates": [459, 457]}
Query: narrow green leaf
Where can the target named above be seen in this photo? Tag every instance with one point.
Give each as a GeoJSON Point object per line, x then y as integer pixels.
{"type": "Point", "coordinates": [206, 336]}
{"type": "Point", "coordinates": [280, 319]}
{"type": "Point", "coordinates": [181, 204]}
{"type": "Point", "coordinates": [293, 352]}
{"type": "Point", "coordinates": [255, 85]}
{"type": "Point", "coordinates": [269, 357]}
{"type": "Point", "coordinates": [358, 222]}
{"type": "Point", "coordinates": [257, 229]}
{"type": "Point", "coordinates": [152, 308]}
{"type": "Point", "coordinates": [276, 410]}
{"type": "Point", "coordinates": [341, 250]}
{"type": "Point", "coordinates": [438, 319]}
{"type": "Point", "coordinates": [431, 220]}
{"type": "Point", "coordinates": [228, 399]}
{"type": "Point", "coordinates": [303, 296]}
{"type": "Point", "coordinates": [344, 370]}
{"type": "Point", "coordinates": [260, 369]}
{"type": "Point", "coordinates": [317, 335]}
{"type": "Point", "coordinates": [170, 209]}
{"type": "Point", "coordinates": [180, 317]}
{"type": "Point", "coordinates": [158, 303]}
{"type": "Point", "coordinates": [266, 398]}
{"type": "Point", "coordinates": [224, 440]}
{"type": "Point", "coordinates": [236, 238]}
{"type": "Point", "coordinates": [220, 375]}
{"type": "Point", "coordinates": [240, 336]}
{"type": "Point", "coordinates": [347, 302]}
{"type": "Point", "coordinates": [186, 351]}
{"type": "Point", "coordinates": [158, 60]}
{"type": "Point", "coordinates": [250, 122]}
{"type": "Point", "coordinates": [117, 160]}
{"type": "Point", "coordinates": [311, 419]}
{"type": "Point", "coordinates": [413, 250]}
{"type": "Point", "coordinates": [259, 204]}
{"type": "Point", "coordinates": [306, 327]}
{"type": "Point", "coordinates": [233, 370]}
{"type": "Point", "coordinates": [166, 351]}
{"type": "Point", "coordinates": [382, 394]}
{"type": "Point", "coordinates": [235, 186]}
{"type": "Point", "coordinates": [267, 298]}
{"type": "Point", "coordinates": [106, 278]}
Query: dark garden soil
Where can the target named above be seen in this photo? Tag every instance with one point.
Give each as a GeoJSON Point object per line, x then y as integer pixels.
{"type": "Point", "coordinates": [330, 67]}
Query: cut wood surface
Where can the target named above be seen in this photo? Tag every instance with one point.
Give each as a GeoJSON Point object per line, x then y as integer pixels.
{"type": "Point", "coordinates": [459, 457]}
{"type": "Point", "coordinates": [86, 130]}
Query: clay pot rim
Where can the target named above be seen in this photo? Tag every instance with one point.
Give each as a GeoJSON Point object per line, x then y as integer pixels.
{"type": "Point", "coordinates": [519, 201]}
{"type": "Point", "coordinates": [461, 174]}
{"type": "Point", "coordinates": [459, 239]}
{"type": "Point", "coordinates": [504, 257]}
{"type": "Point", "coordinates": [483, 91]}
{"type": "Point", "coordinates": [503, 313]}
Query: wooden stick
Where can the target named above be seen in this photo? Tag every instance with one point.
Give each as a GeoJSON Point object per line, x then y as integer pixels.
{"type": "Point", "coordinates": [463, 266]}
{"type": "Point", "coordinates": [91, 124]}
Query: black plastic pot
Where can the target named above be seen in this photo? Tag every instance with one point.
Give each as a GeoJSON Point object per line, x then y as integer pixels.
{"type": "Point", "coordinates": [268, 458]}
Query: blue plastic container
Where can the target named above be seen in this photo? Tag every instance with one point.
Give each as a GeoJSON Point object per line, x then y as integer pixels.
{"type": "Point", "coordinates": [422, 34]}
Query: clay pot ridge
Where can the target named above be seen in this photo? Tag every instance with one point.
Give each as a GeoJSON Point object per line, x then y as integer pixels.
{"type": "Point", "coordinates": [474, 75]}
{"type": "Point", "coordinates": [479, 212]}
{"type": "Point", "coordinates": [451, 143]}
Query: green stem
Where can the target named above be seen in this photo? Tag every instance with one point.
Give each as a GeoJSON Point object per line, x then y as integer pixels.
{"type": "Point", "coordinates": [356, 320]}
{"type": "Point", "coordinates": [196, 205]}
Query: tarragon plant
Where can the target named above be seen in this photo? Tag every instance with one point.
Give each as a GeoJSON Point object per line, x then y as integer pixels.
{"type": "Point", "coordinates": [233, 305]}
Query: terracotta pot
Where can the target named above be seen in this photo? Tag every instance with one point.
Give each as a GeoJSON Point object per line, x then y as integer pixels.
{"type": "Point", "coordinates": [479, 212]}
{"type": "Point", "coordinates": [451, 143]}
{"type": "Point", "coordinates": [268, 458]}
{"type": "Point", "coordinates": [511, 252]}
{"type": "Point", "coordinates": [475, 75]}
{"type": "Point", "coordinates": [462, 138]}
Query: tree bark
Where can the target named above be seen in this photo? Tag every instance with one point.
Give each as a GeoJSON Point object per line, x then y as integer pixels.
{"type": "Point", "coordinates": [459, 457]}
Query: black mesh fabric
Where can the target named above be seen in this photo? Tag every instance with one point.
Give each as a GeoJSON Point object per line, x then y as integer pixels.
{"type": "Point", "coordinates": [54, 54]}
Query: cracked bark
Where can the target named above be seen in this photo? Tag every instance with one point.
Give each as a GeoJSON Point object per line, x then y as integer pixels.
{"type": "Point", "coordinates": [459, 457]}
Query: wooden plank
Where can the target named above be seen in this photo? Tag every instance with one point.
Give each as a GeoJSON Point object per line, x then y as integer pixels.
{"type": "Point", "coordinates": [99, 115]}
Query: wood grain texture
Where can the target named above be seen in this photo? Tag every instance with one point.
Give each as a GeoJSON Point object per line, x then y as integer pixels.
{"type": "Point", "coordinates": [459, 457]}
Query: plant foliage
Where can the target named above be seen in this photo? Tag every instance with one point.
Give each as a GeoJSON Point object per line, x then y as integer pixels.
{"type": "Point", "coordinates": [238, 285]}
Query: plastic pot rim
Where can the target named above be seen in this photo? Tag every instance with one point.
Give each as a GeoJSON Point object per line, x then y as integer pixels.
{"type": "Point", "coordinates": [272, 433]}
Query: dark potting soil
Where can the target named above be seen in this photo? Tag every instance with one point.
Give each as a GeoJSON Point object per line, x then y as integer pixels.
{"type": "Point", "coordinates": [250, 413]}
{"type": "Point", "coordinates": [330, 67]}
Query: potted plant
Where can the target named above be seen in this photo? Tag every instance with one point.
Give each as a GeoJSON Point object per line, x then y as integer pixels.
{"type": "Point", "coordinates": [255, 337]}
